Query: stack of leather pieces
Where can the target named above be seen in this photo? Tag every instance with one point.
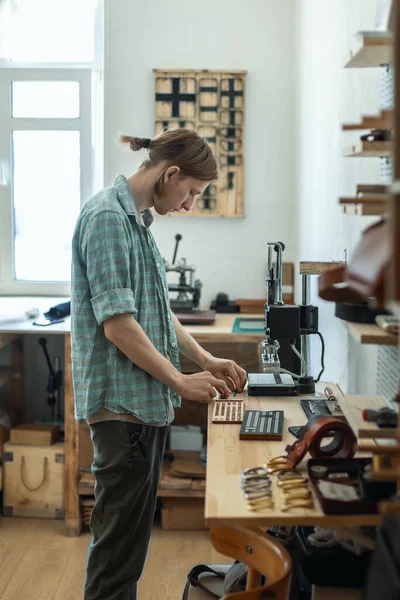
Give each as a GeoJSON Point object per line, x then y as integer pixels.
{"type": "Point", "coordinates": [184, 472]}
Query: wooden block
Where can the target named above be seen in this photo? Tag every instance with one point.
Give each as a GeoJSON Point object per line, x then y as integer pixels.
{"type": "Point", "coordinates": [372, 51]}
{"type": "Point", "coordinates": [34, 435]}
{"type": "Point", "coordinates": [86, 484]}
{"type": "Point", "coordinates": [373, 189]}
{"type": "Point", "coordinates": [367, 333]}
{"type": "Point", "coordinates": [363, 204]}
{"type": "Point", "coordinates": [228, 412]}
{"type": "Point", "coordinates": [182, 513]}
{"type": "Point", "coordinates": [317, 268]}
{"type": "Point", "coordinates": [382, 121]}
{"type": "Point", "coordinates": [369, 150]}
{"type": "Point", "coordinates": [34, 481]}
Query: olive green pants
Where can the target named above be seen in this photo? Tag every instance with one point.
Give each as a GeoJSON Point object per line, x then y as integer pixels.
{"type": "Point", "coordinates": [127, 466]}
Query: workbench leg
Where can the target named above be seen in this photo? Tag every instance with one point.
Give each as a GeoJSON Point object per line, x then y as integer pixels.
{"type": "Point", "coordinates": [17, 379]}
{"type": "Point", "coordinates": [72, 512]}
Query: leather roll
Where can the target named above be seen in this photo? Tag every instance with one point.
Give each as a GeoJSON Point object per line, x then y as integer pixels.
{"type": "Point", "coordinates": [311, 436]}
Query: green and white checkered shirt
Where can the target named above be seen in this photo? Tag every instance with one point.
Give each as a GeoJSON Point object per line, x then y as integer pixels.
{"type": "Point", "coordinates": [116, 269]}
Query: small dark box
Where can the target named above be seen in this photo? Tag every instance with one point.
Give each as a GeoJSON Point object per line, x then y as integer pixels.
{"type": "Point", "coordinates": [283, 321]}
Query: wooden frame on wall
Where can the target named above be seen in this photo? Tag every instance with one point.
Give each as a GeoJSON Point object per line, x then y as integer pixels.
{"type": "Point", "coordinates": [212, 102]}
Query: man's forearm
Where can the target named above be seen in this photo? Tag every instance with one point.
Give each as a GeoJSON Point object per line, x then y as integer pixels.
{"type": "Point", "coordinates": [188, 345]}
{"type": "Point", "coordinates": [125, 333]}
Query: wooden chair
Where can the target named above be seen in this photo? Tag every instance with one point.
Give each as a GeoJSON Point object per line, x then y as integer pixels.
{"type": "Point", "coordinates": [262, 554]}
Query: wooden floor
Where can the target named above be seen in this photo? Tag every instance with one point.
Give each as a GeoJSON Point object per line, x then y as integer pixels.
{"type": "Point", "coordinates": [37, 561]}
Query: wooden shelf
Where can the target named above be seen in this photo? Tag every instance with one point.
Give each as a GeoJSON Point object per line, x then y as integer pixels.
{"type": "Point", "coordinates": [191, 488]}
{"type": "Point", "coordinates": [365, 205]}
{"type": "Point", "coordinates": [352, 407]}
{"type": "Point", "coordinates": [372, 51]}
{"type": "Point", "coordinates": [382, 121]}
{"type": "Point", "coordinates": [181, 493]}
{"type": "Point", "coordinates": [370, 334]}
{"type": "Point", "coordinates": [364, 149]}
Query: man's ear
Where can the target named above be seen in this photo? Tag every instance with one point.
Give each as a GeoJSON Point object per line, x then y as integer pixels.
{"type": "Point", "coordinates": [171, 173]}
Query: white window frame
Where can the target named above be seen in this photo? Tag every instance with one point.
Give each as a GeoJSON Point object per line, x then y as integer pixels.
{"type": "Point", "coordinates": [9, 124]}
{"type": "Point", "coordinates": [90, 125]}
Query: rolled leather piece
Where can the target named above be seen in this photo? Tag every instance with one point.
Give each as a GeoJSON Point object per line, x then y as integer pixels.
{"type": "Point", "coordinates": [343, 444]}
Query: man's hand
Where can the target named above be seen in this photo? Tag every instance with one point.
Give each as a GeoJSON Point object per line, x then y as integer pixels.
{"type": "Point", "coordinates": [228, 370]}
{"type": "Point", "coordinates": [201, 387]}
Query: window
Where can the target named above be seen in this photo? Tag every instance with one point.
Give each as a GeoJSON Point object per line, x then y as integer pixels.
{"type": "Point", "coordinates": [48, 31]}
{"type": "Point", "coordinates": [49, 148]}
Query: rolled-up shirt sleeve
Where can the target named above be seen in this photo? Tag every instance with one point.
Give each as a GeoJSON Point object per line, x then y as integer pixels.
{"type": "Point", "coordinates": [106, 252]}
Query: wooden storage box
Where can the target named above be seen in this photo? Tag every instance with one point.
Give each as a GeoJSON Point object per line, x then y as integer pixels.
{"type": "Point", "coordinates": [34, 435]}
{"type": "Point", "coordinates": [182, 513]}
{"type": "Point", "coordinates": [34, 481]}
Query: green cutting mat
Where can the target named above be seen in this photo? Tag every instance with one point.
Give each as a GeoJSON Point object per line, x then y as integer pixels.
{"type": "Point", "coordinates": [247, 325]}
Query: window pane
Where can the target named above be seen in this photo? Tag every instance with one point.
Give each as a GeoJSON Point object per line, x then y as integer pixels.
{"type": "Point", "coordinates": [47, 30]}
{"type": "Point", "coordinates": [46, 186]}
{"type": "Point", "coordinates": [45, 99]}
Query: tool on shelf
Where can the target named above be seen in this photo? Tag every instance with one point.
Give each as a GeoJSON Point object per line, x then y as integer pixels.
{"type": "Point", "coordinates": [185, 289]}
{"type": "Point", "coordinates": [186, 305]}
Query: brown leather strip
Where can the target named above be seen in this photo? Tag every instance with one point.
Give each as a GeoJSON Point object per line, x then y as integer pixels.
{"type": "Point", "coordinates": [343, 446]}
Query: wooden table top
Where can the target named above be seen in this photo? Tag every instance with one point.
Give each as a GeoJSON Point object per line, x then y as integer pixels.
{"type": "Point", "coordinates": [13, 320]}
{"type": "Point", "coordinates": [228, 456]}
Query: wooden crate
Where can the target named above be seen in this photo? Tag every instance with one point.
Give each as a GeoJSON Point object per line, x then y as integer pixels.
{"type": "Point", "coordinates": [212, 102]}
{"type": "Point", "coordinates": [34, 481]}
{"type": "Point", "coordinates": [182, 513]}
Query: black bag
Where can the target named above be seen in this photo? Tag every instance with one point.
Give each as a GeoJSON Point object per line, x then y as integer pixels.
{"type": "Point", "coordinates": [384, 573]}
{"type": "Point", "coordinates": [217, 580]}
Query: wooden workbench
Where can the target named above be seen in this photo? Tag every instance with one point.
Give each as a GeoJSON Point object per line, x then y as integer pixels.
{"type": "Point", "coordinates": [13, 323]}
{"type": "Point", "coordinates": [228, 456]}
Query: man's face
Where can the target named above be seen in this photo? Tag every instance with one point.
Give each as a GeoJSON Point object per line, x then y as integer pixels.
{"type": "Point", "coordinates": [181, 192]}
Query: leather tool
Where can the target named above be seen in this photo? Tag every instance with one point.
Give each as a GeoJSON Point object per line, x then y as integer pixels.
{"type": "Point", "coordinates": [343, 444]}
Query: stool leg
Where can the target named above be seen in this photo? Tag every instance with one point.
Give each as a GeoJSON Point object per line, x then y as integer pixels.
{"type": "Point", "coordinates": [253, 579]}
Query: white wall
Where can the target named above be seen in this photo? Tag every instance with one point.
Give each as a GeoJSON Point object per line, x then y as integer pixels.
{"type": "Point", "coordinates": [328, 95]}
{"type": "Point", "coordinates": [257, 35]}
